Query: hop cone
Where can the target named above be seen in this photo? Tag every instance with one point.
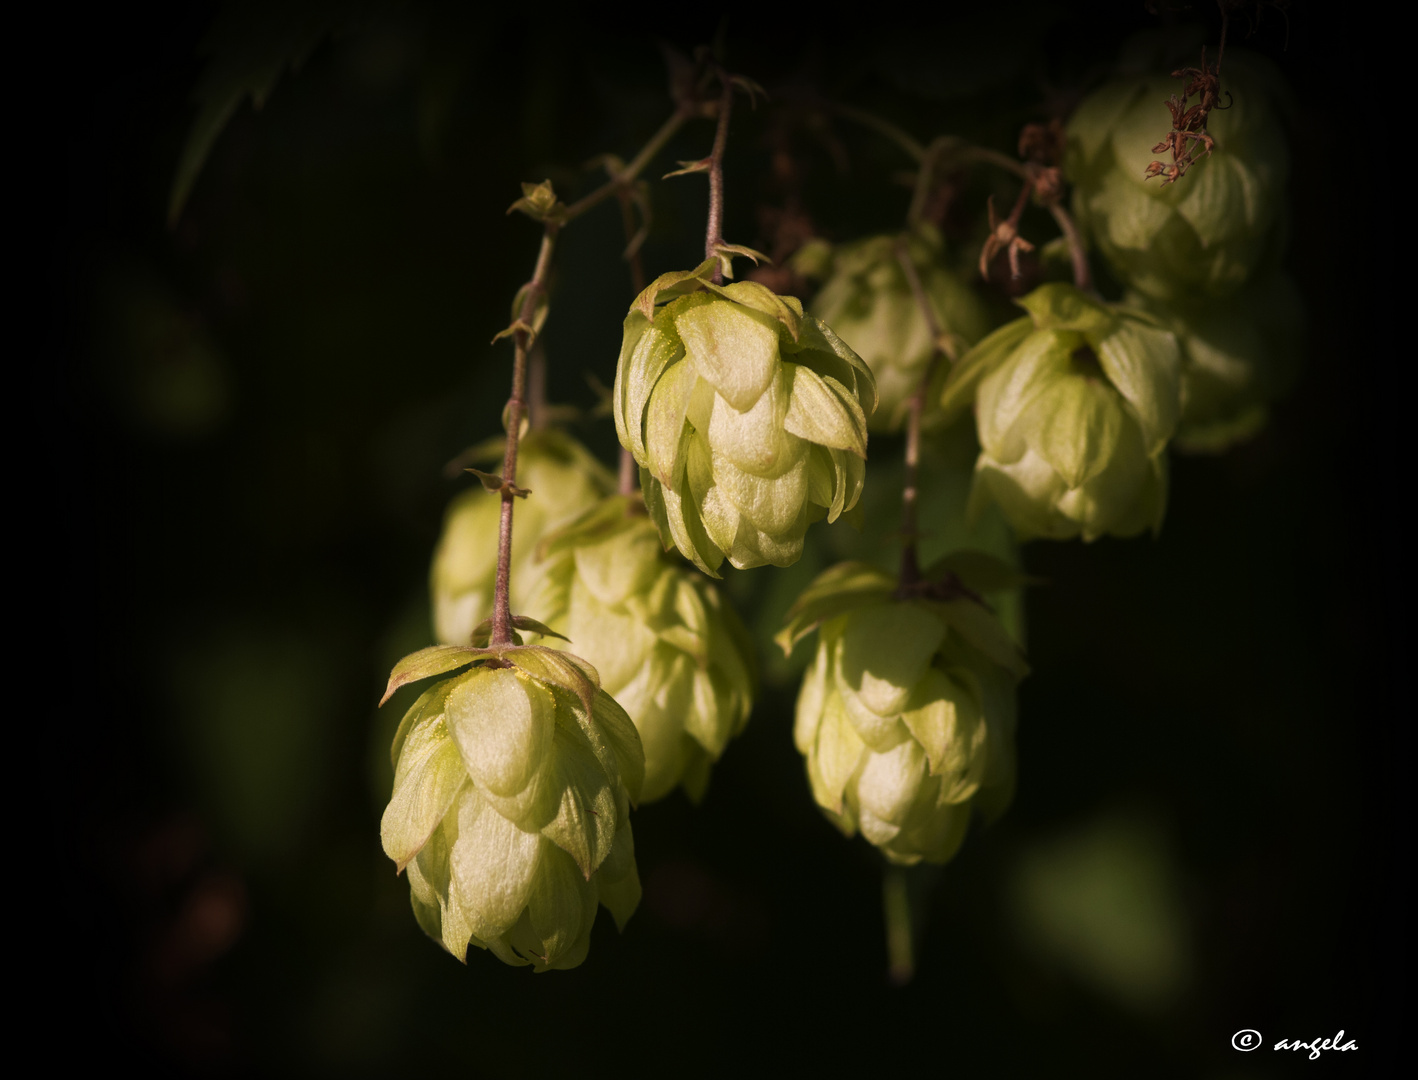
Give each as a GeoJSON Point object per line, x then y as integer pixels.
{"type": "Point", "coordinates": [869, 303]}
{"type": "Point", "coordinates": [1238, 355]}
{"type": "Point", "coordinates": [747, 417]}
{"type": "Point", "coordinates": [1075, 404]}
{"type": "Point", "coordinates": [1208, 232]}
{"type": "Point", "coordinates": [564, 479]}
{"type": "Point", "coordinates": [512, 788]}
{"type": "Point", "coordinates": [907, 715]}
{"type": "Point", "coordinates": [667, 648]}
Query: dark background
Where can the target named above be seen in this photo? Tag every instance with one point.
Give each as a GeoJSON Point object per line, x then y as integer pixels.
{"type": "Point", "coordinates": [1210, 831]}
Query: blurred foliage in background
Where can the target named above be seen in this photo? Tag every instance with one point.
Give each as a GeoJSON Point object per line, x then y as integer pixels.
{"type": "Point", "coordinates": [1208, 832]}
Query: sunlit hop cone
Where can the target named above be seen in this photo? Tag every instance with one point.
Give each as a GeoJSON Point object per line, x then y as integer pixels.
{"type": "Point", "coordinates": [870, 304]}
{"type": "Point", "coordinates": [747, 417]}
{"type": "Point", "coordinates": [1238, 356]}
{"type": "Point", "coordinates": [1074, 407]}
{"type": "Point", "coordinates": [667, 648]}
{"type": "Point", "coordinates": [512, 787]}
{"type": "Point", "coordinates": [907, 714]}
{"type": "Point", "coordinates": [564, 480]}
{"type": "Point", "coordinates": [1212, 228]}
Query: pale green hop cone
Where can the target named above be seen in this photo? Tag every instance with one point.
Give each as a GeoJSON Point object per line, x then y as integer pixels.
{"type": "Point", "coordinates": [869, 303]}
{"type": "Point", "coordinates": [1238, 356]}
{"type": "Point", "coordinates": [564, 481]}
{"type": "Point", "coordinates": [1074, 405]}
{"type": "Point", "coordinates": [510, 810]}
{"type": "Point", "coordinates": [668, 648]}
{"type": "Point", "coordinates": [1211, 230]}
{"type": "Point", "coordinates": [747, 417]}
{"type": "Point", "coordinates": [906, 718]}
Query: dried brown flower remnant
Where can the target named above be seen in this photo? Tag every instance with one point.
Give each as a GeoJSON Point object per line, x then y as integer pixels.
{"type": "Point", "coordinates": [1188, 136]}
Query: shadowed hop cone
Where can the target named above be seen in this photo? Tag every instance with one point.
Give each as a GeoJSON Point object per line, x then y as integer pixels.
{"type": "Point", "coordinates": [1238, 356]}
{"type": "Point", "coordinates": [512, 789]}
{"type": "Point", "coordinates": [907, 714]}
{"type": "Point", "coordinates": [564, 481]}
{"type": "Point", "coordinates": [1208, 232]}
{"type": "Point", "coordinates": [1074, 407]}
{"type": "Point", "coordinates": [747, 417]}
{"type": "Point", "coordinates": [667, 647]}
{"type": "Point", "coordinates": [869, 303]}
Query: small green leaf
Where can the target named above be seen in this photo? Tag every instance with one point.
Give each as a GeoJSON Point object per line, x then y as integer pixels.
{"type": "Point", "coordinates": [668, 286]}
{"type": "Point", "coordinates": [424, 664]}
{"type": "Point", "coordinates": [521, 622]}
{"type": "Point", "coordinates": [1059, 306]}
{"type": "Point", "coordinates": [687, 167]}
{"type": "Point", "coordinates": [557, 668]}
{"type": "Point", "coordinates": [494, 482]}
{"type": "Point", "coordinates": [539, 202]}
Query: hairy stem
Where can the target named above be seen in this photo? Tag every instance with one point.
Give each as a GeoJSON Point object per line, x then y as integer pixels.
{"type": "Point", "coordinates": [713, 232]}
{"type": "Point", "coordinates": [516, 406]}
{"type": "Point", "coordinates": [517, 402]}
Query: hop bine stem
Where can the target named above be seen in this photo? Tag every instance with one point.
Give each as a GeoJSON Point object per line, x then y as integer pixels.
{"type": "Point", "coordinates": [713, 233]}
{"type": "Point", "coordinates": [533, 293]}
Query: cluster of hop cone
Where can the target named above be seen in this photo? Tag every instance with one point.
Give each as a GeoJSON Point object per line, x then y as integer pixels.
{"type": "Point", "coordinates": [748, 417]}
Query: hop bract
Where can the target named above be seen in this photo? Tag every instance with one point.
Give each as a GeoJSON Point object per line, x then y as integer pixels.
{"type": "Point", "coordinates": [1208, 232]}
{"type": "Point", "coordinates": [1238, 356]}
{"type": "Point", "coordinates": [869, 303]}
{"type": "Point", "coordinates": [747, 417]}
{"type": "Point", "coordinates": [1074, 407]}
{"type": "Point", "coordinates": [667, 648]}
{"type": "Point", "coordinates": [564, 481]}
{"type": "Point", "coordinates": [907, 714]}
{"type": "Point", "coordinates": [512, 787]}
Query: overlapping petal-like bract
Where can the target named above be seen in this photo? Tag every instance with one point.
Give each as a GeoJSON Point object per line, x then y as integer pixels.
{"type": "Point", "coordinates": [564, 481]}
{"type": "Point", "coordinates": [748, 418]}
{"type": "Point", "coordinates": [1074, 406]}
{"type": "Point", "coordinates": [1208, 232]}
{"type": "Point", "coordinates": [510, 812]}
{"type": "Point", "coordinates": [667, 647]}
{"type": "Point", "coordinates": [1238, 355]}
{"type": "Point", "coordinates": [907, 715]}
{"type": "Point", "coordinates": [871, 306]}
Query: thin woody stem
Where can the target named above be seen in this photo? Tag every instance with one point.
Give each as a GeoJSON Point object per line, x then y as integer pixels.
{"type": "Point", "coordinates": [899, 136]}
{"type": "Point", "coordinates": [1082, 272]}
{"type": "Point", "coordinates": [633, 169]}
{"type": "Point", "coordinates": [714, 230]}
{"type": "Point", "coordinates": [516, 405]}
{"type": "Point", "coordinates": [517, 402]}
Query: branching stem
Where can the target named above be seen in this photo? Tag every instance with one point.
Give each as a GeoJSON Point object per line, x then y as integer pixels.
{"type": "Point", "coordinates": [517, 403]}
